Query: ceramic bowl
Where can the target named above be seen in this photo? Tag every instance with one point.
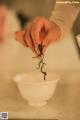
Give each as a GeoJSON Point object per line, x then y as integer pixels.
{"type": "Point", "coordinates": [35, 89]}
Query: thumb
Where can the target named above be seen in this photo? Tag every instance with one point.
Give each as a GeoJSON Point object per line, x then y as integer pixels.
{"type": "Point", "coordinates": [20, 36]}
{"type": "Point", "coordinates": [52, 36]}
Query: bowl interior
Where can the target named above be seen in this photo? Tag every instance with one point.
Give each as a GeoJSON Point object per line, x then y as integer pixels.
{"type": "Point", "coordinates": [36, 78]}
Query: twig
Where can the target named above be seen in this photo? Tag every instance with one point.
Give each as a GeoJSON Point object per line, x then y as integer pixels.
{"type": "Point", "coordinates": [41, 63]}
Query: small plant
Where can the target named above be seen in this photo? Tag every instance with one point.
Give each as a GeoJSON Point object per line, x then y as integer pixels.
{"type": "Point", "coordinates": [41, 63]}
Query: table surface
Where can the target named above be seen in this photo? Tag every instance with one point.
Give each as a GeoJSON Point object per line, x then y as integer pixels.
{"type": "Point", "coordinates": [65, 104]}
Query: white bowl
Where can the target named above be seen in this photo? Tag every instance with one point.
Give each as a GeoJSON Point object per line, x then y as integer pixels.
{"type": "Point", "coordinates": [35, 89]}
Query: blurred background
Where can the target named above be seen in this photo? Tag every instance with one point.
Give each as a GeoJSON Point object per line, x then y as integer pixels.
{"type": "Point", "coordinates": [26, 10]}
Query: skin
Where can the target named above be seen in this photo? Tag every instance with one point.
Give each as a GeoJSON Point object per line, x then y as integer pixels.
{"type": "Point", "coordinates": [39, 31]}
{"type": "Point", "coordinates": [3, 23]}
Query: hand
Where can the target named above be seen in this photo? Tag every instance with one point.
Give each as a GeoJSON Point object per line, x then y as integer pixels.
{"type": "Point", "coordinates": [40, 31]}
{"type": "Point", "coordinates": [3, 23]}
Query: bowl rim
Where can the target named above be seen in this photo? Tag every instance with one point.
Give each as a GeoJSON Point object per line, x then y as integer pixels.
{"type": "Point", "coordinates": [17, 80]}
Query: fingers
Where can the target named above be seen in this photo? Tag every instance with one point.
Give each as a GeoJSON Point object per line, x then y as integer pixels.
{"type": "Point", "coordinates": [53, 34]}
{"type": "Point", "coordinates": [28, 38]}
{"type": "Point", "coordinates": [39, 28]}
{"type": "Point", "coordinates": [38, 32]}
{"type": "Point", "coordinates": [20, 37]}
{"type": "Point", "coordinates": [25, 39]}
{"type": "Point", "coordinates": [49, 38]}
